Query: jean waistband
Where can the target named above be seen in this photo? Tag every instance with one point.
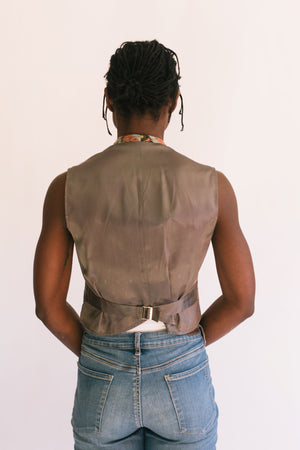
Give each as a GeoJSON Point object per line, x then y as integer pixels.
{"type": "Point", "coordinates": [154, 338]}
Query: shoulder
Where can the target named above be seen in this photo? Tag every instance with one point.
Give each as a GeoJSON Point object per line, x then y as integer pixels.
{"type": "Point", "coordinates": [54, 204]}
{"type": "Point", "coordinates": [57, 187]}
{"type": "Point", "coordinates": [185, 162]}
{"type": "Point", "coordinates": [227, 202]}
{"type": "Point", "coordinates": [91, 161]}
{"type": "Point", "coordinates": [225, 189]}
{"type": "Point", "coordinates": [58, 181]}
{"type": "Point", "coordinates": [223, 182]}
{"type": "Point", "coordinates": [184, 158]}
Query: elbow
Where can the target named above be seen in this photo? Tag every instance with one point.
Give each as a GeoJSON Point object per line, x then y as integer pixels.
{"type": "Point", "coordinates": [248, 307]}
{"type": "Point", "coordinates": [249, 311]}
{"type": "Point", "coordinates": [43, 313]}
{"type": "Point", "coordinates": [49, 315]}
{"type": "Point", "coordinates": [242, 304]}
{"type": "Point", "coordinates": [40, 313]}
{"type": "Point", "coordinates": [245, 300]}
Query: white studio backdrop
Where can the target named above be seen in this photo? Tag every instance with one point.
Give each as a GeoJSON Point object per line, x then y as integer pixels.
{"type": "Point", "coordinates": [240, 83]}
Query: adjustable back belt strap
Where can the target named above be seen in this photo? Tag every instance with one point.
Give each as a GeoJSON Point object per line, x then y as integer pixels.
{"type": "Point", "coordinates": [164, 312]}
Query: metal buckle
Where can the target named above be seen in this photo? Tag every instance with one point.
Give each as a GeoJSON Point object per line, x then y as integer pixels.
{"type": "Point", "coordinates": [147, 312]}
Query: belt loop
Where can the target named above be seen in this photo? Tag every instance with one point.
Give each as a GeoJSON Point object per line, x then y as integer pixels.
{"type": "Point", "coordinates": [203, 334]}
{"type": "Point", "coordinates": [137, 343]}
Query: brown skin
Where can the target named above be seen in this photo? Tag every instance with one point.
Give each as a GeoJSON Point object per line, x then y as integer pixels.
{"type": "Point", "coordinates": [54, 251]}
{"type": "Point", "coordinates": [52, 270]}
{"type": "Point", "coordinates": [234, 268]}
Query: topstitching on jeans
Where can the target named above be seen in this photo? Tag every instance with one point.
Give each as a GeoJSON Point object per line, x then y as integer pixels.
{"type": "Point", "coordinates": [152, 342]}
{"type": "Point", "coordinates": [130, 368]}
{"type": "Point", "coordinates": [162, 344]}
{"type": "Point", "coordinates": [108, 362]}
{"type": "Point", "coordinates": [94, 373]}
{"type": "Point", "coordinates": [173, 361]}
{"type": "Point", "coordinates": [111, 344]}
{"type": "Point", "coordinates": [137, 390]}
{"type": "Point", "coordinates": [187, 373]}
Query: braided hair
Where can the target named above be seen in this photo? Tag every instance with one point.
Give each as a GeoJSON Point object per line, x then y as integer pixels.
{"type": "Point", "coordinates": [142, 78]}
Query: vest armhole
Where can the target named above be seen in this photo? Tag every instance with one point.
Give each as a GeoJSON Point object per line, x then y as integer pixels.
{"type": "Point", "coordinates": [216, 196]}
{"type": "Point", "coordinates": [66, 199]}
{"type": "Point", "coordinates": [216, 192]}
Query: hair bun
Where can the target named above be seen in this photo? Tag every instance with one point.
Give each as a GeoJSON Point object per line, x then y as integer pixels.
{"type": "Point", "coordinates": [142, 77]}
{"type": "Point", "coordinates": [135, 88]}
{"type": "Point", "coordinates": [132, 82]}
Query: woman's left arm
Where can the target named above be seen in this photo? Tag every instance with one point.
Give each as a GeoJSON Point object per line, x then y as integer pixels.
{"type": "Point", "coordinates": [52, 270]}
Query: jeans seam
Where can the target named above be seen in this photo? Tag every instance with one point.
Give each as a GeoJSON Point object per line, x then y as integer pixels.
{"type": "Point", "coordinates": [168, 345]}
{"type": "Point", "coordinates": [145, 346]}
{"type": "Point", "coordinates": [138, 418]}
{"type": "Point", "coordinates": [190, 373]}
{"type": "Point", "coordinates": [148, 369]}
{"type": "Point", "coordinates": [104, 403]}
{"type": "Point", "coordinates": [108, 362]}
{"type": "Point", "coordinates": [174, 360]}
{"type": "Point", "coordinates": [88, 372]}
{"type": "Point", "coordinates": [173, 402]}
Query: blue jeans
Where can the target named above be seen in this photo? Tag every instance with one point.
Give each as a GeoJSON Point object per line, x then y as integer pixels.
{"type": "Point", "coordinates": [144, 391]}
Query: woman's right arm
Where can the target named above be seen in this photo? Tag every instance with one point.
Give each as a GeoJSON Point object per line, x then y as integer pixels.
{"type": "Point", "coordinates": [52, 270]}
{"type": "Point", "coordinates": [234, 267]}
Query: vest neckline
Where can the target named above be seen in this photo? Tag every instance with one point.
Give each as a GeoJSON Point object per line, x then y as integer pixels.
{"type": "Point", "coordinates": [139, 138]}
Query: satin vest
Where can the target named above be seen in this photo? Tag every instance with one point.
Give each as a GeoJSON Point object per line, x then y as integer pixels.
{"type": "Point", "coordinates": [142, 216]}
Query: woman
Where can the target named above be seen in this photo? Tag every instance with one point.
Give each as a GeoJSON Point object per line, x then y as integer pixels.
{"type": "Point", "coordinates": [141, 216]}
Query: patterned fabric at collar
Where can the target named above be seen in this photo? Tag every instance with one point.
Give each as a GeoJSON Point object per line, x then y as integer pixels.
{"type": "Point", "coordinates": [139, 138]}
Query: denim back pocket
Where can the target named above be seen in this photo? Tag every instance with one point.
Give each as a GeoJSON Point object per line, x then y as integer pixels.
{"type": "Point", "coordinates": [192, 396]}
{"type": "Point", "coordinates": [90, 398]}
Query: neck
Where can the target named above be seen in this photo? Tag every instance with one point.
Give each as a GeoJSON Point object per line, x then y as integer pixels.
{"type": "Point", "coordinates": [142, 125]}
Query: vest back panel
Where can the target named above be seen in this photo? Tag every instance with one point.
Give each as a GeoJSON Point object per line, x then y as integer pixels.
{"type": "Point", "coordinates": [142, 216]}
